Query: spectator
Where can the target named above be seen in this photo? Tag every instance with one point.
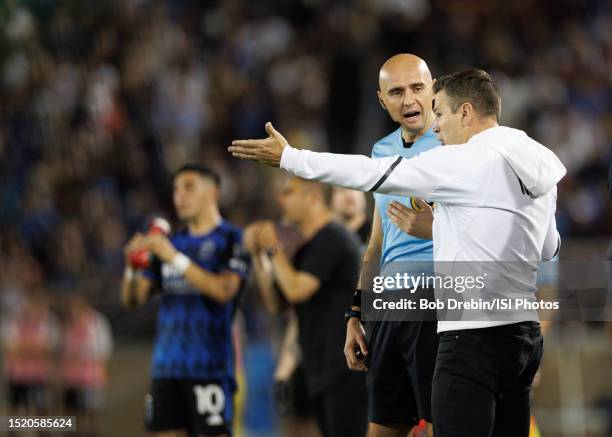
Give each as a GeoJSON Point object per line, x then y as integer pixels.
{"type": "Point", "coordinates": [30, 339]}
{"type": "Point", "coordinates": [86, 347]}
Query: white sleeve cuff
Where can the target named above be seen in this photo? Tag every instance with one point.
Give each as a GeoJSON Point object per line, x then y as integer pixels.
{"type": "Point", "coordinates": [289, 158]}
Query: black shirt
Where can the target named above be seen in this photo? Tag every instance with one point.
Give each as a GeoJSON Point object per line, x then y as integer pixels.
{"type": "Point", "coordinates": [333, 256]}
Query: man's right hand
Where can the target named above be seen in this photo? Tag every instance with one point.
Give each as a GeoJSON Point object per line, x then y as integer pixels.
{"type": "Point", "coordinates": [355, 341]}
{"type": "Point", "coordinates": [250, 238]}
{"type": "Point", "coordinates": [135, 243]}
{"type": "Point", "coordinates": [267, 150]}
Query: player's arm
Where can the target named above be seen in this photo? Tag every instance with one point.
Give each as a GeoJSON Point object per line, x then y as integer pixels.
{"type": "Point", "coordinates": [392, 175]}
{"type": "Point", "coordinates": [297, 286]}
{"type": "Point", "coordinates": [264, 277]}
{"type": "Point", "coordinates": [371, 257]}
{"type": "Point", "coordinates": [355, 338]}
{"type": "Point", "coordinates": [262, 268]}
{"type": "Point", "coordinates": [289, 356]}
{"type": "Point", "coordinates": [135, 288]}
{"type": "Point", "coordinates": [288, 360]}
{"type": "Point", "coordinates": [221, 287]}
{"type": "Point", "coordinates": [416, 177]}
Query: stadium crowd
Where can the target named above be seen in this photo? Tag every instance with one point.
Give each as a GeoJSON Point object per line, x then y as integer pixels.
{"type": "Point", "coordinates": [102, 102]}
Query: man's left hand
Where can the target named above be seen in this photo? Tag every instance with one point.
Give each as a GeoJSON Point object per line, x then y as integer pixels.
{"type": "Point", "coordinates": [250, 238]}
{"type": "Point", "coordinates": [267, 151]}
{"type": "Point", "coordinates": [415, 222]}
{"type": "Point", "coordinates": [160, 246]}
{"type": "Point", "coordinates": [267, 235]}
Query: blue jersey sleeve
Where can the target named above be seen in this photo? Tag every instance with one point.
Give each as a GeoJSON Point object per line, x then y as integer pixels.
{"type": "Point", "coordinates": [238, 259]}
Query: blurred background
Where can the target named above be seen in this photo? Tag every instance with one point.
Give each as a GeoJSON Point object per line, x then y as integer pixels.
{"type": "Point", "coordinates": [102, 101]}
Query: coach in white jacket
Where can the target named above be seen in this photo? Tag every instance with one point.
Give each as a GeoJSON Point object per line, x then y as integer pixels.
{"type": "Point", "coordinates": [495, 193]}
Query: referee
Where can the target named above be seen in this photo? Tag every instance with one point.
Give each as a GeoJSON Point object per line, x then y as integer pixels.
{"type": "Point", "coordinates": [400, 355]}
{"type": "Point", "coordinates": [495, 194]}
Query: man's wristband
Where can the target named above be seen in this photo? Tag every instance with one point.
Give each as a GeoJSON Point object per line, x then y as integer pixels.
{"type": "Point", "coordinates": [356, 298]}
{"type": "Point", "coordinates": [129, 273]}
{"type": "Point", "coordinates": [350, 313]}
{"type": "Point", "coordinates": [181, 262]}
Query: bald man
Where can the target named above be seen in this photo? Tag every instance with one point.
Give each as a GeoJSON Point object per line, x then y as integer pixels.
{"type": "Point", "coordinates": [399, 356]}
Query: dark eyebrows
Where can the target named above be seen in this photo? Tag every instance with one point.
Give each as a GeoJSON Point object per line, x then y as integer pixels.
{"type": "Point", "coordinates": [411, 85]}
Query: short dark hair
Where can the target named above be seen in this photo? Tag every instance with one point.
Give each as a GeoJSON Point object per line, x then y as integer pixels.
{"type": "Point", "coordinates": [474, 86]}
{"type": "Point", "coordinates": [204, 171]}
{"type": "Point", "coordinates": [325, 190]}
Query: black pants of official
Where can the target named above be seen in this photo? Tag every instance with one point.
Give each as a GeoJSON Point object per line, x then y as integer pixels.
{"type": "Point", "coordinates": [482, 381]}
{"type": "Point", "coordinates": [342, 409]}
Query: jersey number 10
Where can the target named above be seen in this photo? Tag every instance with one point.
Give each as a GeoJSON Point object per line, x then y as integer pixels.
{"type": "Point", "coordinates": [210, 400]}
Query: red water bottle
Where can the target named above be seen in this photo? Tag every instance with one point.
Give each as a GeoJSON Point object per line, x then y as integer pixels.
{"type": "Point", "coordinates": [141, 258]}
{"type": "Point", "coordinates": [421, 429]}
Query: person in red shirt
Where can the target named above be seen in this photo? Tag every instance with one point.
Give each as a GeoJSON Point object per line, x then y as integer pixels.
{"type": "Point", "coordinates": [87, 346]}
{"type": "Point", "coordinates": [29, 341]}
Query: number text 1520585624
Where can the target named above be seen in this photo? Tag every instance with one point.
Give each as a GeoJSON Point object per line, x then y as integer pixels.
{"type": "Point", "coordinates": [51, 423]}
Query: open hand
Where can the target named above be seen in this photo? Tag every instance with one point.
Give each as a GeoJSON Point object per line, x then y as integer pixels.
{"type": "Point", "coordinates": [267, 151]}
{"type": "Point", "coordinates": [415, 222]}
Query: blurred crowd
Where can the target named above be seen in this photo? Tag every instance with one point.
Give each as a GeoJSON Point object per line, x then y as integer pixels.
{"type": "Point", "coordinates": [55, 357]}
{"type": "Point", "coordinates": [102, 101]}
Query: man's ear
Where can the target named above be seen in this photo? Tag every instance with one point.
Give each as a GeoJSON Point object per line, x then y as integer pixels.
{"type": "Point", "coordinates": [217, 193]}
{"type": "Point", "coordinates": [467, 113]}
{"type": "Point", "coordinates": [380, 100]}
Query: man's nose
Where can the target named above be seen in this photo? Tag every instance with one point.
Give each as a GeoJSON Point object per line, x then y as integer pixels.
{"type": "Point", "coordinates": [409, 100]}
{"type": "Point", "coordinates": [436, 127]}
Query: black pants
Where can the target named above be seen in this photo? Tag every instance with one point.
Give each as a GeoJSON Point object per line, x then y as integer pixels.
{"type": "Point", "coordinates": [482, 381]}
{"type": "Point", "coordinates": [341, 410]}
{"type": "Point", "coordinates": [401, 361]}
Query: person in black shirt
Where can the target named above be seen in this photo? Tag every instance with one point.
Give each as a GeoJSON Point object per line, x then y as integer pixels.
{"type": "Point", "coordinates": [350, 209]}
{"type": "Point", "coordinates": [318, 282]}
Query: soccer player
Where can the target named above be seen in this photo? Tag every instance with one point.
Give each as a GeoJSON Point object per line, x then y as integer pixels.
{"type": "Point", "coordinates": [400, 355]}
{"type": "Point", "coordinates": [318, 281]}
{"type": "Point", "coordinates": [495, 194]}
{"type": "Point", "coordinates": [199, 270]}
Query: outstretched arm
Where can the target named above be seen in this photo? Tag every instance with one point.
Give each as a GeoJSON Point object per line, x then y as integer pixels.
{"type": "Point", "coordinates": [393, 175]}
{"type": "Point", "coordinates": [358, 172]}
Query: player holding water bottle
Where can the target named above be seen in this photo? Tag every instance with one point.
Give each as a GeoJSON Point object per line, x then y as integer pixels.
{"type": "Point", "coordinates": [199, 271]}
